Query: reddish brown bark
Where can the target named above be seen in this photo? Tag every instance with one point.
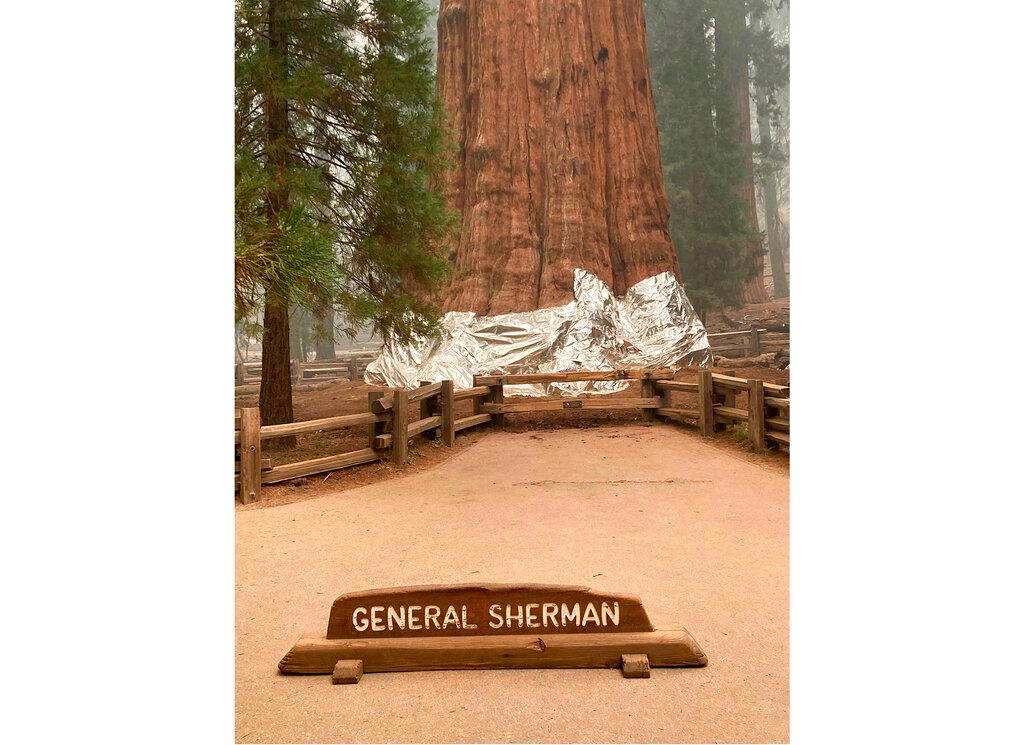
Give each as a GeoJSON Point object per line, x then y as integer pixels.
{"type": "Point", "coordinates": [559, 163]}
{"type": "Point", "coordinates": [275, 380]}
{"type": "Point", "coordinates": [275, 372]}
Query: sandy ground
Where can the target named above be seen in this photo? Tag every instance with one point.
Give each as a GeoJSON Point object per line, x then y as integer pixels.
{"type": "Point", "coordinates": [698, 532]}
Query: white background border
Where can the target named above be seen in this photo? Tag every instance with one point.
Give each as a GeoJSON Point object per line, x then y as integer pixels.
{"type": "Point", "coordinates": [906, 520]}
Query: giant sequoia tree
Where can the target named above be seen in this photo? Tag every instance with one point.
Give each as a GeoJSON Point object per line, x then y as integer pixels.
{"type": "Point", "coordinates": [559, 166]}
{"type": "Point", "coordinates": [338, 136]}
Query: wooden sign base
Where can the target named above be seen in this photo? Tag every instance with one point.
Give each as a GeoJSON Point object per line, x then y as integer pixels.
{"type": "Point", "coordinates": [634, 649]}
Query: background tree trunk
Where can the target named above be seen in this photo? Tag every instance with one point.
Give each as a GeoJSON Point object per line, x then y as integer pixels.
{"type": "Point", "coordinates": [325, 337]}
{"type": "Point", "coordinates": [275, 380]}
{"type": "Point", "coordinates": [780, 282]}
{"type": "Point", "coordinates": [732, 57]}
{"type": "Point", "coordinates": [558, 159]}
{"type": "Point", "coordinates": [297, 322]}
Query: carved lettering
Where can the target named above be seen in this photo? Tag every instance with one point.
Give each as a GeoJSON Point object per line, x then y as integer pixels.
{"type": "Point", "coordinates": [487, 609]}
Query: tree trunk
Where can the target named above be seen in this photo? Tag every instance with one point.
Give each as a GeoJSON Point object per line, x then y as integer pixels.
{"type": "Point", "coordinates": [732, 57]}
{"type": "Point", "coordinates": [558, 158]}
{"type": "Point", "coordinates": [780, 282]}
{"type": "Point", "coordinates": [325, 337]}
{"type": "Point", "coordinates": [276, 380]}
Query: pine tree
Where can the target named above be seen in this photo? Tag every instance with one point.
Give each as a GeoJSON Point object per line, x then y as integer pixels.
{"type": "Point", "coordinates": [338, 136]}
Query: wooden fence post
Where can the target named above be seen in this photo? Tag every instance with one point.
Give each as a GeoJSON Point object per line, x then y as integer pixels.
{"type": "Point", "coordinates": [447, 399]}
{"type": "Point", "coordinates": [478, 401]}
{"type": "Point", "coordinates": [729, 397]}
{"type": "Point", "coordinates": [430, 406]}
{"type": "Point", "coordinates": [400, 430]}
{"type": "Point", "coordinates": [296, 371]}
{"type": "Point", "coordinates": [705, 402]}
{"type": "Point", "coordinates": [373, 428]}
{"type": "Point", "coordinates": [665, 395]}
{"type": "Point", "coordinates": [647, 391]}
{"type": "Point", "coordinates": [496, 395]}
{"type": "Point", "coordinates": [755, 342]}
{"type": "Point", "coordinates": [249, 456]}
{"type": "Point", "coordinates": [726, 399]}
{"type": "Point", "coordinates": [755, 414]}
{"type": "Point", "coordinates": [239, 373]}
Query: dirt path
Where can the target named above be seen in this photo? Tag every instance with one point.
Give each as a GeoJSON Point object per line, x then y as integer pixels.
{"type": "Point", "coordinates": [698, 533]}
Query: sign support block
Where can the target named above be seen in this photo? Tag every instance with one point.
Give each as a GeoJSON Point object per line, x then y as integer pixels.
{"type": "Point", "coordinates": [636, 666]}
{"type": "Point", "coordinates": [347, 671]}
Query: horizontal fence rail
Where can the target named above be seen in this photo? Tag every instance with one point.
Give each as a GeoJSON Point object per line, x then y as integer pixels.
{"type": "Point", "coordinates": [749, 343]}
{"type": "Point", "coordinates": [395, 416]}
{"type": "Point", "coordinates": [349, 365]}
{"type": "Point", "coordinates": [766, 413]}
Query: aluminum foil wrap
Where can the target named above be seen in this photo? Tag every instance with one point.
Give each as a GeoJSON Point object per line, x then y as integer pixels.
{"type": "Point", "coordinates": [653, 325]}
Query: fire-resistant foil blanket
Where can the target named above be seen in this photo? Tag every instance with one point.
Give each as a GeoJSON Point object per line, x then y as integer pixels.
{"type": "Point", "coordinates": [653, 325]}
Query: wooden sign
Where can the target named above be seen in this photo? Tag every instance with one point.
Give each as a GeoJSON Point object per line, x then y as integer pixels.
{"type": "Point", "coordinates": [456, 627]}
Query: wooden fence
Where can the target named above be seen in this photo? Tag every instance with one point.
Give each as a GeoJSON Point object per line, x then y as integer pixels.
{"type": "Point", "coordinates": [390, 424]}
{"type": "Point", "coordinates": [748, 343]}
{"type": "Point", "coordinates": [766, 412]}
{"type": "Point", "coordinates": [347, 366]}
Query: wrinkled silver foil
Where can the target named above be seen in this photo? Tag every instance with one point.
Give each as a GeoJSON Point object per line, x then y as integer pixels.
{"type": "Point", "coordinates": [653, 325]}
